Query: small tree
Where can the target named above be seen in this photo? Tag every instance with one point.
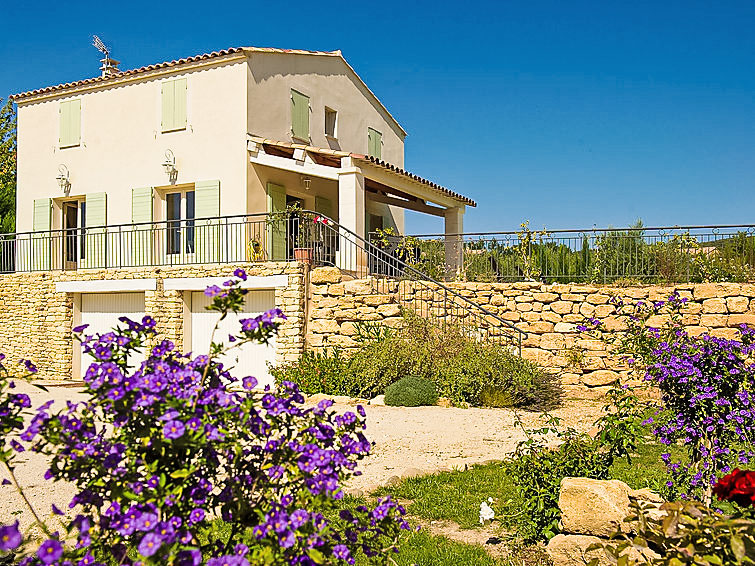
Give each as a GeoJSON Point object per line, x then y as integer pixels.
{"type": "Point", "coordinates": [7, 168]}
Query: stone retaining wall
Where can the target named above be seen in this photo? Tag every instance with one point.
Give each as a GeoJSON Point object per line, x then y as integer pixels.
{"type": "Point", "coordinates": [36, 321]}
{"type": "Point", "coordinates": [548, 313]}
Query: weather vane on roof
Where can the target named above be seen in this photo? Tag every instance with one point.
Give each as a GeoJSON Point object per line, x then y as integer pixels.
{"type": "Point", "coordinates": [109, 66]}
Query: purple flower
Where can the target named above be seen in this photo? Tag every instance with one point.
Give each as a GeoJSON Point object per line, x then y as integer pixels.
{"type": "Point", "coordinates": [10, 537]}
{"type": "Point", "coordinates": [240, 273]}
{"type": "Point", "coordinates": [196, 515]}
{"type": "Point", "coordinates": [341, 551]}
{"type": "Point", "coordinates": [173, 429]}
{"type": "Point", "coordinates": [81, 328]}
{"type": "Point", "coordinates": [49, 551]}
{"type": "Point", "coordinates": [214, 291]}
{"type": "Point", "coordinates": [150, 544]}
{"type": "Point", "coordinates": [146, 522]}
{"type": "Point", "coordinates": [249, 382]}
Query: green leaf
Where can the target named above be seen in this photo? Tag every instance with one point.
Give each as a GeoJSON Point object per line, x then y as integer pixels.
{"type": "Point", "coordinates": [180, 473]}
{"type": "Point", "coordinates": [737, 547]}
{"type": "Point", "coordinates": [317, 556]}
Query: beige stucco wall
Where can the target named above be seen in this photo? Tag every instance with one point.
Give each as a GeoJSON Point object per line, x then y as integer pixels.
{"type": "Point", "coordinates": [36, 320]}
{"type": "Point", "coordinates": [122, 146]}
{"type": "Point", "coordinates": [328, 81]}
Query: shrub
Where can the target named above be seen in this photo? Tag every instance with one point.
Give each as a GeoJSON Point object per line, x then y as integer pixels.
{"type": "Point", "coordinates": [411, 392]}
{"type": "Point", "coordinates": [537, 468]}
{"type": "Point", "coordinates": [463, 369]}
{"type": "Point", "coordinates": [684, 533]}
{"type": "Point", "coordinates": [707, 387]}
{"type": "Point", "coordinates": [159, 453]}
{"type": "Point", "coordinates": [315, 372]}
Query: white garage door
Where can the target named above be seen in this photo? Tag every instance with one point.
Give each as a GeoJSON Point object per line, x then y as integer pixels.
{"type": "Point", "coordinates": [249, 359]}
{"type": "Point", "coordinates": [101, 312]}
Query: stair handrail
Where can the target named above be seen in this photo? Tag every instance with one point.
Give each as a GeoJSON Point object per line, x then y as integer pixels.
{"type": "Point", "coordinates": [372, 250]}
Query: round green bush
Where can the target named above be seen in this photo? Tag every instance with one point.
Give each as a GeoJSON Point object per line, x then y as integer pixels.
{"type": "Point", "coordinates": [411, 392]}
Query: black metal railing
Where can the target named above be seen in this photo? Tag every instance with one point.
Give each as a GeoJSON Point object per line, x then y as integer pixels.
{"type": "Point", "coordinates": [287, 236]}
{"type": "Point", "coordinates": [677, 254]}
{"type": "Point", "coordinates": [227, 239]}
{"type": "Point", "coordinates": [417, 292]}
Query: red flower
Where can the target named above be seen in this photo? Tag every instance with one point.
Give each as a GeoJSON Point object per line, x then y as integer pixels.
{"type": "Point", "coordinates": [738, 486]}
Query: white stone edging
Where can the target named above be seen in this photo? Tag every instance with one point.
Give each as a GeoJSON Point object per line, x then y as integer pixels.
{"type": "Point", "coordinates": [106, 286]}
{"type": "Point", "coordinates": [201, 283]}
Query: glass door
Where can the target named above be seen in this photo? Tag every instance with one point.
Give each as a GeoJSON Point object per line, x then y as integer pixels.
{"type": "Point", "coordinates": [180, 223]}
{"type": "Point", "coordinates": [74, 221]}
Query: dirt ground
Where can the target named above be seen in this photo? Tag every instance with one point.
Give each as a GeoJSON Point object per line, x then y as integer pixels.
{"type": "Point", "coordinates": [408, 441]}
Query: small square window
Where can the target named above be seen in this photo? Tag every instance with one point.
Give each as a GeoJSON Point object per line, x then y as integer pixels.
{"type": "Point", "coordinates": [330, 122]}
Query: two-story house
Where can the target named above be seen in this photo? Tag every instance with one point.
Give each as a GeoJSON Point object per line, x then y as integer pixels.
{"type": "Point", "coordinates": [188, 162]}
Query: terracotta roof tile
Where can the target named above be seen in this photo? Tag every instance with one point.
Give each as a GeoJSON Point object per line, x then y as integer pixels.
{"type": "Point", "coordinates": [166, 64]}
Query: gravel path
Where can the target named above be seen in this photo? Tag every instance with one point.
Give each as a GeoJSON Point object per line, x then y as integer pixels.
{"type": "Point", "coordinates": [408, 441]}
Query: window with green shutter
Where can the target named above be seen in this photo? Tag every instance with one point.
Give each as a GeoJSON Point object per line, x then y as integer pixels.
{"type": "Point", "coordinates": [299, 115]}
{"type": "Point", "coordinates": [374, 143]}
{"type": "Point", "coordinates": [40, 244]}
{"type": "Point", "coordinates": [276, 225]}
{"type": "Point", "coordinates": [70, 123]}
{"type": "Point", "coordinates": [174, 105]}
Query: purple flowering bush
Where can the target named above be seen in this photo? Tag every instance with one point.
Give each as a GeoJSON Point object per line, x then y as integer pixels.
{"type": "Point", "coordinates": [162, 452]}
{"type": "Point", "coordinates": [707, 387]}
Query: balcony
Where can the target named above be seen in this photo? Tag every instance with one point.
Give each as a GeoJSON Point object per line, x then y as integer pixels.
{"type": "Point", "coordinates": [229, 239]}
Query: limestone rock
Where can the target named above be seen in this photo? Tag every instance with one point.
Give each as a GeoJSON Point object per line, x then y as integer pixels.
{"type": "Point", "coordinates": [325, 275]}
{"type": "Point", "coordinates": [379, 400]}
{"type": "Point", "coordinates": [571, 550]}
{"type": "Point", "coordinates": [412, 473]}
{"type": "Point", "coordinates": [599, 378]}
{"type": "Point", "coordinates": [593, 507]}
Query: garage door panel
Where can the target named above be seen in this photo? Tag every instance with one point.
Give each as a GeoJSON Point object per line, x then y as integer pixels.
{"type": "Point", "coordinates": [101, 312]}
{"type": "Point", "coordinates": [249, 359]}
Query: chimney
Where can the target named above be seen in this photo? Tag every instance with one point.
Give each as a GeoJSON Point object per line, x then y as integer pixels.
{"type": "Point", "coordinates": [109, 67]}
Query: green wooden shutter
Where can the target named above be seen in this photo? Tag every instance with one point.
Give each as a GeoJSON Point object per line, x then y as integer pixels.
{"type": "Point", "coordinates": [207, 205]}
{"type": "Point", "coordinates": [374, 143]}
{"type": "Point", "coordinates": [300, 115]}
{"type": "Point", "coordinates": [276, 238]}
{"type": "Point", "coordinates": [324, 206]}
{"type": "Point", "coordinates": [141, 236]}
{"type": "Point", "coordinates": [70, 123]}
{"type": "Point", "coordinates": [41, 244]}
{"type": "Point", "coordinates": [96, 235]}
{"type": "Point", "coordinates": [174, 105]}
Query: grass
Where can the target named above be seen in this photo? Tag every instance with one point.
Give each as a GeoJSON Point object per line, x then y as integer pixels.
{"type": "Point", "coordinates": [456, 496]}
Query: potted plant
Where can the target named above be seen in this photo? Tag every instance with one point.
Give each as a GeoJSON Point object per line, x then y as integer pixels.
{"type": "Point", "coordinates": [305, 238]}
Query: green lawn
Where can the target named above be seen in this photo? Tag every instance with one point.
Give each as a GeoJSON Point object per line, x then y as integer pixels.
{"type": "Point", "coordinates": [456, 496]}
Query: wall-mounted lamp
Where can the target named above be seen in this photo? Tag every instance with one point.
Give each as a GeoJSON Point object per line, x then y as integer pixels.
{"type": "Point", "coordinates": [307, 182]}
{"type": "Point", "coordinates": [170, 164]}
{"type": "Point", "coordinates": [63, 178]}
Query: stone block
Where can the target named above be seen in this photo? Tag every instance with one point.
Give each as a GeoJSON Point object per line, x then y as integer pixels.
{"type": "Point", "coordinates": [523, 307]}
{"type": "Point", "coordinates": [561, 307]}
{"type": "Point", "coordinates": [599, 378]}
{"type": "Point", "coordinates": [358, 287]}
{"type": "Point", "coordinates": [544, 297]}
{"type": "Point", "coordinates": [597, 298]}
{"type": "Point", "coordinates": [571, 550]}
{"type": "Point", "coordinates": [552, 341]}
{"type": "Point", "coordinates": [593, 507]}
{"type": "Point", "coordinates": [714, 320]}
{"type": "Point", "coordinates": [737, 304]}
{"type": "Point", "coordinates": [737, 319]}
{"type": "Point", "coordinates": [714, 306]}
{"type": "Point", "coordinates": [389, 310]}
{"type": "Point", "coordinates": [565, 327]}
{"type": "Point", "coordinates": [324, 326]}
{"type": "Point", "coordinates": [325, 275]}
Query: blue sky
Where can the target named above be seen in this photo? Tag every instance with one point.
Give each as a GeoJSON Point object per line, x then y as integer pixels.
{"type": "Point", "coordinates": [569, 114]}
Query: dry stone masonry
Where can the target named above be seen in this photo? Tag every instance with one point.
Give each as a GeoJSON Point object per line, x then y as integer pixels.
{"type": "Point", "coordinates": [36, 321]}
{"type": "Point", "coordinates": [548, 313]}
{"type": "Point", "coordinates": [324, 308]}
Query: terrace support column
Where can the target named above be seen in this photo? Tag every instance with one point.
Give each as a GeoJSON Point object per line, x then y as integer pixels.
{"type": "Point", "coordinates": [351, 217]}
{"type": "Point", "coordinates": [454, 241]}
